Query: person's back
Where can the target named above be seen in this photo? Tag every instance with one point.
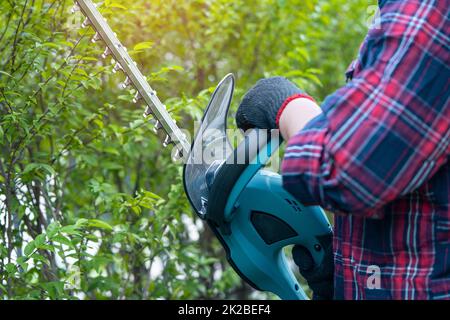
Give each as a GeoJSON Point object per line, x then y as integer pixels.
{"type": "Point", "coordinates": [408, 244]}
{"type": "Point", "coordinates": [377, 156]}
{"type": "Point", "coordinates": [409, 249]}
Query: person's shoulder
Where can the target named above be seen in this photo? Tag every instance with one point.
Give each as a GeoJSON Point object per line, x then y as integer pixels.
{"type": "Point", "coordinates": [423, 20]}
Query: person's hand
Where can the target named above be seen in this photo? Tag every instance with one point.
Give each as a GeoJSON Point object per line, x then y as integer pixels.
{"type": "Point", "coordinates": [260, 107]}
{"type": "Point", "coordinates": [319, 277]}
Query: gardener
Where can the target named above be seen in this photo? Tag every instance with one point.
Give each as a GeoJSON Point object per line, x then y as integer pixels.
{"type": "Point", "coordinates": [375, 154]}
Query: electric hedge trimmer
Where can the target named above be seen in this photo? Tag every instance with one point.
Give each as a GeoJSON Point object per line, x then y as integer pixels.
{"type": "Point", "coordinates": [245, 206]}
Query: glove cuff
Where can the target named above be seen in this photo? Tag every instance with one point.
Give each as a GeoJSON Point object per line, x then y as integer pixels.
{"type": "Point", "coordinates": [289, 100]}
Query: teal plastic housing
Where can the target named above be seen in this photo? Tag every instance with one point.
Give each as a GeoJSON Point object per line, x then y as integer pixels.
{"type": "Point", "coordinates": [260, 219]}
{"type": "Point", "coordinates": [246, 206]}
{"type": "Point", "coordinates": [264, 264]}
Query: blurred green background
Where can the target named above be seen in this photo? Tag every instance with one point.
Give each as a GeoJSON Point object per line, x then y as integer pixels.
{"type": "Point", "coordinates": [91, 205]}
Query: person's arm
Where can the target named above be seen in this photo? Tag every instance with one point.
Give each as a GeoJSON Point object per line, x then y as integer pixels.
{"type": "Point", "coordinates": [296, 115]}
{"type": "Point", "coordinates": [385, 133]}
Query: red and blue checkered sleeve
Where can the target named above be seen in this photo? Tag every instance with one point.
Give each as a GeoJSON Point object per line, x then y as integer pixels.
{"type": "Point", "coordinates": [385, 133]}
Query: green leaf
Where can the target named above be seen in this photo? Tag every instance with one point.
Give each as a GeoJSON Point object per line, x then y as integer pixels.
{"type": "Point", "coordinates": [99, 123]}
{"type": "Point", "coordinates": [81, 222]}
{"type": "Point", "coordinates": [47, 247]}
{"type": "Point", "coordinates": [90, 59]}
{"type": "Point", "coordinates": [5, 73]}
{"type": "Point", "coordinates": [51, 45]}
{"type": "Point", "coordinates": [29, 248]}
{"type": "Point", "coordinates": [3, 251]}
{"type": "Point", "coordinates": [52, 229]}
{"type": "Point", "coordinates": [100, 224]}
{"type": "Point", "coordinates": [143, 45]}
{"type": "Point", "coordinates": [171, 68]}
{"type": "Point", "coordinates": [67, 43]}
{"type": "Point", "coordinates": [70, 229]}
{"type": "Point", "coordinates": [63, 240]}
{"type": "Point", "coordinates": [38, 166]}
{"type": "Point", "coordinates": [151, 195]}
{"type": "Point", "coordinates": [39, 241]}
{"type": "Point", "coordinates": [55, 289]}
{"type": "Point", "coordinates": [81, 72]}
{"type": "Point", "coordinates": [117, 5]}
{"type": "Point", "coordinates": [11, 268]}
{"type": "Point", "coordinates": [22, 261]}
{"type": "Point", "coordinates": [112, 150]}
{"type": "Point", "coordinates": [38, 257]}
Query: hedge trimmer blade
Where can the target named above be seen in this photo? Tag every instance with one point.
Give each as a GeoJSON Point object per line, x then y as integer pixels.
{"type": "Point", "coordinates": [144, 92]}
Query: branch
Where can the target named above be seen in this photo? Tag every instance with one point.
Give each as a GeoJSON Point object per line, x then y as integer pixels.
{"type": "Point", "coordinates": [13, 53]}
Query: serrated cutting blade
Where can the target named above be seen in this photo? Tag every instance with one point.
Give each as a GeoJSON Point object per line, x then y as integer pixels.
{"type": "Point", "coordinates": [124, 63]}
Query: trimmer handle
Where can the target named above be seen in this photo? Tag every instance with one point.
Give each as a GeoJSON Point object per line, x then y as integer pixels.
{"type": "Point", "coordinates": [259, 218]}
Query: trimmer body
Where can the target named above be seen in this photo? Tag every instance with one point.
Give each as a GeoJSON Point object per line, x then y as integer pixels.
{"type": "Point", "coordinates": [246, 206]}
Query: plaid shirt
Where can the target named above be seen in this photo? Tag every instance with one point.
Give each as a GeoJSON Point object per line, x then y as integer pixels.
{"type": "Point", "coordinates": [378, 158]}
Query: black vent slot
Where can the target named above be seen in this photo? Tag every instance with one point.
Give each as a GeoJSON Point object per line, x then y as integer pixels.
{"type": "Point", "coordinates": [270, 228]}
